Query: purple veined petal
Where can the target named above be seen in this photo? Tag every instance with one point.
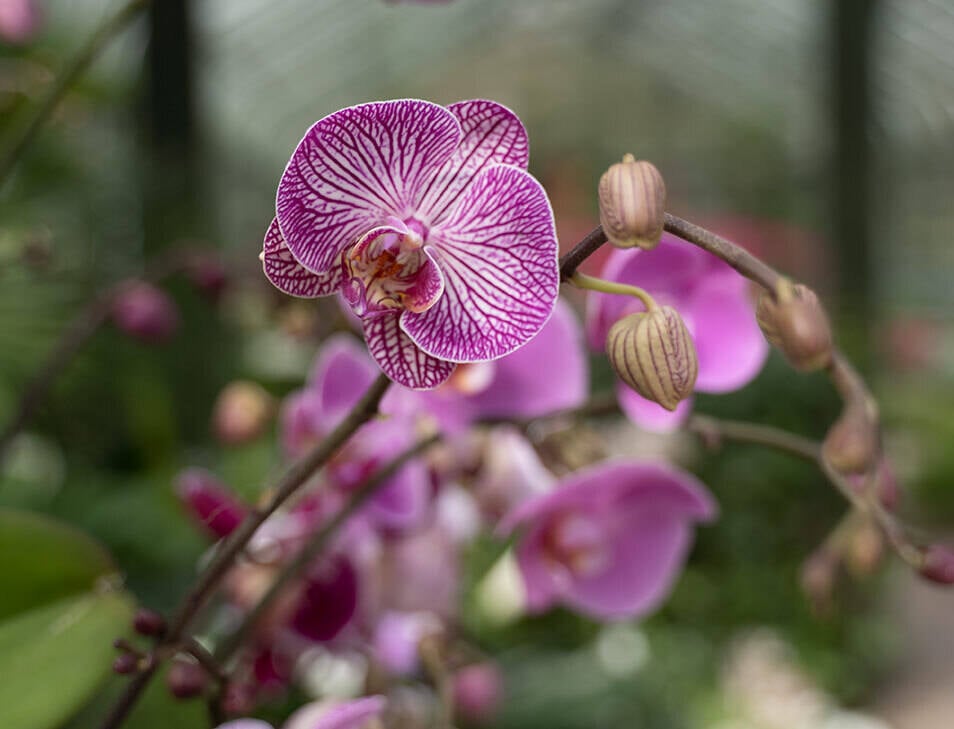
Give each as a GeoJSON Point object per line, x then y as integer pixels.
{"type": "Point", "coordinates": [649, 415]}
{"type": "Point", "coordinates": [498, 253]}
{"type": "Point", "coordinates": [354, 714]}
{"type": "Point", "coordinates": [729, 343]}
{"type": "Point", "coordinates": [549, 373]}
{"type": "Point", "coordinates": [400, 358]}
{"type": "Point", "coordinates": [492, 134]}
{"type": "Point", "coordinates": [288, 275]}
{"type": "Point", "coordinates": [355, 168]}
{"type": "Point", "coordinates": [342, 373]}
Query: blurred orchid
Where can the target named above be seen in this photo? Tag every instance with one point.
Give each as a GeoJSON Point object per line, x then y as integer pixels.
{"type": "Point", "coordinates": [145, 312]}
{"type": "Point", "coordinates": [712, 299]}
{"type": "Point", "coordinates": [19, 20]}
{"type": "Point", "coordinates": [356, 714]}
{"type": "Point", "coordinates": [610, 540]}
{"type": "Point", "coordinates": [425, 219]}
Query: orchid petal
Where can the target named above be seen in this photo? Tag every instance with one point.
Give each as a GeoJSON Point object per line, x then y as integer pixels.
{"type": "Point", "coordinates": [288, 275]}
{"type": "Point", "coordinates": [498, 253]}
{"type": "Point", "coordinates": [354, 714]}
{"type": "Point", "coordinates": [357, 167]}
{"type": "Point", "coordinates": [729, 343]}
{"type": "Point", "coordinates": [400, 358]}
{"type": "Point", "coordinates": [492, 134]}
{"type": "Point", "coordinates": [341, 375]}
{"type": "Point", "coordinates": [648, 414]}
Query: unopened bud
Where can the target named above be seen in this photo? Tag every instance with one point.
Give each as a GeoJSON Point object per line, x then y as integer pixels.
{"type": "Point", "coordinates": [125, 663]}
{"type": "Point", "coordinates": [865, 549]}
{"type": "Point", "coordinates": [851, 444]}
{"type": "Point", "coordinates": [478, 691]}
{"type": "Point", "coordinates": [794, 320]}
{"type": "Point", "coordinates": [149, 622]}
{"type": "Point", "coordinates": [210, 501]}
{"type": "Point", "coordinates": [208, 275]}
{"type": "Point", "coordinates": [632, 203]}
{"type": "Point", "coordinates": [653, 353]}
{"type": "Point", "coordinates": [241, 412]}
{"type": "Point", "coordinates": [818, 576]}
{"type": "Point", "coordinates": [145, 312]}
{"type": "Point", "coordinates": [938, 564]}
{"type": "Point", "coordinates": [186, 679]}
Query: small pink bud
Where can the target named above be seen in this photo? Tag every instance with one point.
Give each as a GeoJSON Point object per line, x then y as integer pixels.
{"type": "Point", "coordinates": [938, 564]}
{"type": "Point", "coordinates": [865, 549]}
{"type": "Point", "coordinates": [241, 412]}
{"type": "Point", "coordinates": [208, 275]}
{"type": "Point", "coordinates": [478, 691]}
{"type": "Point", "coordinates": [20, 20]}
{"type": "Point", "coordinates": [149, 622]}
{"type": "Point", "coordinates": [210, 501]}
{"type": "Point", "coordinates": [794, 320]}
{"type": "Point", "coordinates": [186, 679]}
{"type": "Point", "coordinates": [125, 663]}
{"type": "Point", "coordinates": [851, 444]}
{"type": "Point", "coordinates": [632, 198]}
{"type": "Point", "coordinates": [145, 312]}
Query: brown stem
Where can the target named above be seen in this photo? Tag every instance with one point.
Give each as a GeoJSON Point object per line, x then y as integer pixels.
{"type": "Point", "coordinates": [232, 546]}
{"type": "Point", "coordinates": [21, 140]}
{"type": "Point", "coordinates": [580, 252]}
{"type": "Point", "coordinates": [317, 544]}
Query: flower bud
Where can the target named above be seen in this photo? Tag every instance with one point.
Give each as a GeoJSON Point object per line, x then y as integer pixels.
{"type": "Point", "coordinates": [241, 412]}
{"type": "Point", "coordinates": [818, 576]}
{"type": "Point", "coordinates": [125, 663]}
{"type": "Point", "coordinates": [145, 312]}
{"type": "Point", "coordinates": [149, 622]}
{"type": "Point", "coordinates": [210, 501]}
{"type": "Point", "coordinates": [938, 564]}
{"type": "Point", "coordinates": [865, 549]}
{"type": "Point", "coordinates": [653, 353]}
{"type": "Point", "coordinates": [208, 275]}
{"type": "Point", "coordinates": [478, 691]}
{"type": "Point", "coordinates": [186, 679]}
{"type": "Point", "coordinates": [795, 322]}
{"type": "Point", "coordinates": [632, 203]}
{"type": "Point", "coordinates": [851, 445]}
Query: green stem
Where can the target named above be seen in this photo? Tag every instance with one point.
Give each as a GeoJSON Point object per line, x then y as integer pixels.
{"type": "Point", "coordinates": [582, 281]}
{"type": "Point", "coordinates": [20, 140]}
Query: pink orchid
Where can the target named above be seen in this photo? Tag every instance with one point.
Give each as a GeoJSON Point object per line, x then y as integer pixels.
{"type": "Point", "coordinates": [425, 219]}
{"type": "Point", "coordinates": [354, 714]}
{"type": "Point", "coordinates": [341, 374]}
{"type": "Point", "coordinates": [610, 540]}
{"type": "Point", "coordinates": [19, 20]}
{"type": "Point", "coordinates": [713, 300]}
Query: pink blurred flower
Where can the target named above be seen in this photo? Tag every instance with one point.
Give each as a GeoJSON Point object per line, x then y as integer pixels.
{"type": "Point", "coordinates": [547, 374]}
{"type": "Point", "coordinates": [610, 540]}
{"type": "Point", "coordinates": [210, 502]}
{"type": "Point", "coordinates": [19, 20]}
{"type": "Point", "coordinates": [354, 714]}
{"type": "Point", "coordinates": [713, 300]}
{"type": "Point", "coordinates": [145, 312]}
{"type": "Point", "coordinates": [478, 691]}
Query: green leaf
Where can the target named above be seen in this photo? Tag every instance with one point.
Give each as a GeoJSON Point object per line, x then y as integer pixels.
{"type": "Point", "coordinates": [45, 561]}
{"type": "Point", "coordinates": [53, 657]}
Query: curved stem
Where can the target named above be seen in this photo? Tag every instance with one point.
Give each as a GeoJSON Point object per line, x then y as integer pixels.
{"type": "Point", "coordinates": [582, 281]}
{"type": "Point", "coordinates": [580, 252]}
{"type": "Point", "coordinates": [22, 138]}
{"type": "Point", "coordinates": [314, 547]}
{"type": "Point", "coordinates": [208, 581]}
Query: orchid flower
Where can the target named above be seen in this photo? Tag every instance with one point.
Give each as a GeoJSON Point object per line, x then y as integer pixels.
{"type": "Point", "coordinates": [424, 218]}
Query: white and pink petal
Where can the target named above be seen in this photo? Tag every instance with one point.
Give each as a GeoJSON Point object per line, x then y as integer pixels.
{"type": "Point", "coordinates": [400, 358]}
{"type": "Point", "coordinates": [498, 254]}
{"type": "Point", "coordinates": [355, 168]}
{"type": "Point", "coordinates": [288, 275]}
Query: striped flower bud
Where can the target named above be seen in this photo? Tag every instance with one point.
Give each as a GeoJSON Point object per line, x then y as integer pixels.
{"type": "Point", "coordinates": [795, 322]}
{"type": "Point", "coordinates": [632, 203]}
{"type": "Point", "coordinates": [653, 353]}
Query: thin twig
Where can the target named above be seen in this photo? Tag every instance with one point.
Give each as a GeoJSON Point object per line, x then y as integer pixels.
{"type": "Point", "coordinates": [20, 141]}
{"type": "Point", "coordinates": [232, 546]}
{"type": "Point", "coordinates": [317, 544]}
{"type": "Point", "coordinates": [580, 252]}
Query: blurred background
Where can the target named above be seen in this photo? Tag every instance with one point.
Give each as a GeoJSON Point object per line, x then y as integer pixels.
{"type": "Point", "coordinates": [818, 133]}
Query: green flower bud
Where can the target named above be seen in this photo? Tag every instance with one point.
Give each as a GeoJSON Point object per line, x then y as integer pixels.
{"type": "Point", "coordinates": [632, 203]}
{"type": "Point", "coordinates": [653, 353]}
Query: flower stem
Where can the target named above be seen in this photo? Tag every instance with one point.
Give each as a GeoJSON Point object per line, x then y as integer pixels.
{"type": "Point", "coordinates": [582, 281]}
{"type": "Point", "coordinates": [20, 140]}
{"type": "Point", "coordinates": [318, 542]}
{"type": "Point", "coordinates": [296, 476]}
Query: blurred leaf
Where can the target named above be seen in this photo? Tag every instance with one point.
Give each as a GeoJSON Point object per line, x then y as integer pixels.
{"type": "Point", "coordinates": [44, 561]}
{"type": "Point", "coordinates": [52, 658]}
